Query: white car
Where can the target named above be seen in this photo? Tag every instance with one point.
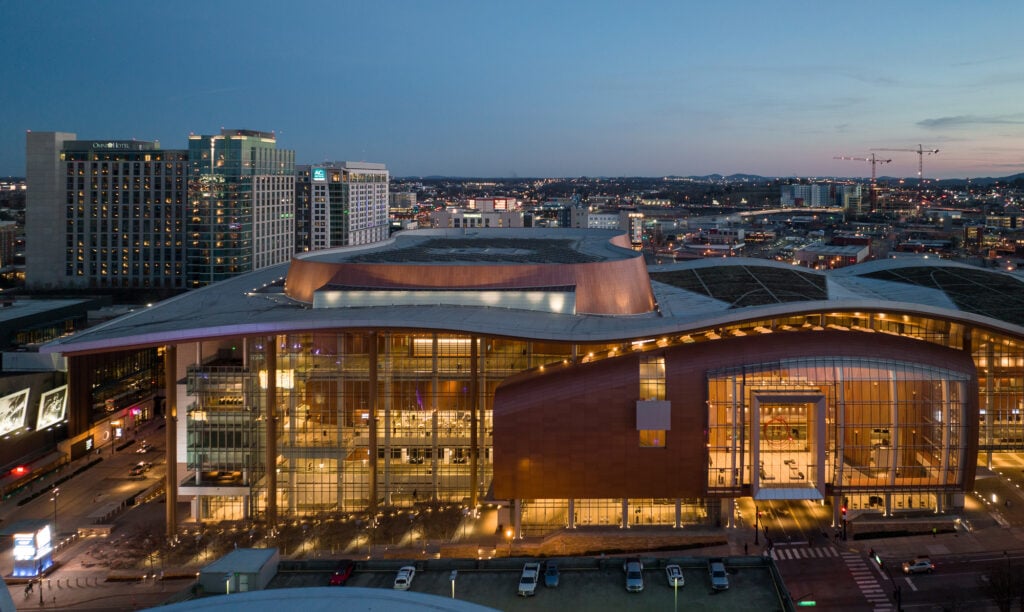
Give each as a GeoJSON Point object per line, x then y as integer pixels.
{"type": "Point", "coordinates": [528, 579]}
{"type": "Point", "coordinates": [404, 578]}
{"type": "Point", "coordinates": [675, 575]}
{"type": "Point", "coordinates": [918, 565]}
{"type": "Point", "coordinates": [634, 569]}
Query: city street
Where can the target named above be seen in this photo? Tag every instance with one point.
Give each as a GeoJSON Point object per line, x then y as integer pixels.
{"type": "Point", "coordinates": [834, 574]}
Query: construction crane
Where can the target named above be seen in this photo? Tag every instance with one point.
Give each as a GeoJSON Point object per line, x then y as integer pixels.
{"type": "Point", "coordinates": [921, 152]}
{"type": "Point", "coordinates": [874, 161]}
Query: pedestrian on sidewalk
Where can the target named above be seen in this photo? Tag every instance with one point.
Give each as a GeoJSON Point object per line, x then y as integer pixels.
{"type": "Point", "coordinates": [744, 549]}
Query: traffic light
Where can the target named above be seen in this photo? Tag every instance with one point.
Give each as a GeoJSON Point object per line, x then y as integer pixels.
{"type": "Point", "coordinates": [843, 510]}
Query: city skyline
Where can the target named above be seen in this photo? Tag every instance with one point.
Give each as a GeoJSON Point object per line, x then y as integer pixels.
{"type": "Point", "coordinates": [595, 89]}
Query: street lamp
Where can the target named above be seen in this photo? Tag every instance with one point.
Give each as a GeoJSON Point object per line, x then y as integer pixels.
{"type": "Point", "coordinates": [452, 577]}
{"type": "Point", "coordinates": [56, 493]}
{"type": "Point", "coordinates": [508, 535]}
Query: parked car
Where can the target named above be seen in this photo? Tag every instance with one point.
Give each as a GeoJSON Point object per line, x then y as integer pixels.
{"type": "Point", "coordinates": [528, 578]}
{"type": "Point", "coordinates": [675, 575]}
{"type": "Point", "coordinates": [918, 565]}
{"type": "Point", "coordinates": [404, 578]}
{"type": "Point", "coordinates": [551, 574]}
{"type": "Point", "coordinates": [634, 569]}
{"type": "Point", "coordinates": [719, 577]}
{"type": "Point", "coordinates": [342, 573]}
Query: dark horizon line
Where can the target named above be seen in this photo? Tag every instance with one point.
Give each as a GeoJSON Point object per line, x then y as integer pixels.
{"type": "Point", "coordinates": [468, 177]}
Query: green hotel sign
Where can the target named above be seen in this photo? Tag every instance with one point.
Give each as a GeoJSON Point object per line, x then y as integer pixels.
{"type": "Point", "coordinates": [319, 174]}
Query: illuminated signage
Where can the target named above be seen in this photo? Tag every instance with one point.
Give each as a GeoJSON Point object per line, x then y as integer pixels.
{"type": "Point", "coordinates": [120, 146]}
{"type": "Point", "coordinates": [319, 174]}
{"type": "Point", "coordinates": [24, 546]}
{"type": "Point", "coordinates": [52, 407]}
{"type": "Point", "coordinates": [32, 545]}
{"type": "Point", "coordinates": [13, 408]}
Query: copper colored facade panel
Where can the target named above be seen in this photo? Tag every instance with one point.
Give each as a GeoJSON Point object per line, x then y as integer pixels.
{"type": "Point", "coordinates": [615, 287]}
{"type": "Point", "coordinates": [570, 432]}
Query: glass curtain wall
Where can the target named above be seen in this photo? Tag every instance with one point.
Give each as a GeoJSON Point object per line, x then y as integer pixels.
{"type": "Point", "coordinates": [857, 424]}
{"type": "Point", "coordinates": [1000, 362]}
{"type": "Point", "coordinates": [425, 403]}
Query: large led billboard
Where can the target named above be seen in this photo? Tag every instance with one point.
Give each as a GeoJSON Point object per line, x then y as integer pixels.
{"type": "Point", "coordinates": [13, 409]}
{"type": "Point", "coordinates": [52, 407]}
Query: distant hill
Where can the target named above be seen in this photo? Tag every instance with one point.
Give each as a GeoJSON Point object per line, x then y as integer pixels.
{"type": "Point", "coordinates": [988, 180]}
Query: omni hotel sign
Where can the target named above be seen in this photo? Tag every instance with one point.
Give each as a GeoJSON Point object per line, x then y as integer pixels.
{"type": "Point", "coordinates": [121, 145]}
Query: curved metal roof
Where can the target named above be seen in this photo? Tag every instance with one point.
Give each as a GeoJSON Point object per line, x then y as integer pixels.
{"type": "Point", "coordinates": [712, 293]}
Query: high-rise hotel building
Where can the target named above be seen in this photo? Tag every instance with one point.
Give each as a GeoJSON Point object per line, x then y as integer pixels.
{"type": "Point", "coordinates": [341, 204]}
{"type": "Point", "coordinates": [103, 214]}
{"type": "Point", "coordinates": [242, 206]}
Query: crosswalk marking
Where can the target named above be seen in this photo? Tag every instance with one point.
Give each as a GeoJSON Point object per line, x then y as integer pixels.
{"type": "Point", "coordinates": [813, 552]}
{"type": "Point", "coordinates": [867, 582]}
{"type": "Point", "coordinates": [863, 576]}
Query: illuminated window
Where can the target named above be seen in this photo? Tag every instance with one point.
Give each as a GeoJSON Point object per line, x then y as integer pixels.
{"type": "Point", "coordinates": [652, 377]}
{"type": "Point", "coordinates": [652, 438]}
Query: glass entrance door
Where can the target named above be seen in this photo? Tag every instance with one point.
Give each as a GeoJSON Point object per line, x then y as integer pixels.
{"type": "Point", "coordinates": [788, 446]}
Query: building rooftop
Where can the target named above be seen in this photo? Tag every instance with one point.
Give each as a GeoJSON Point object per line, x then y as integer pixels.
{"type": "Point", "coordinates": [689, 295]}
{"type": "Point", "coordinates": [486, 247]}
{"type": "Point", "coordinates": [20, 308]}
{"type": "Point", "coordinates": [748, 285]}
{"type": "Point", "coordinates": [324, 599]}
{"type": "Point", "coordinates": [242, 560]}
{"type": "Point", "coordinates": [991, 294]}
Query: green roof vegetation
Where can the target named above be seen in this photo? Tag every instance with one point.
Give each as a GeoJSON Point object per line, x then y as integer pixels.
{"type": "Point", "coordinates": [483, 250]}
{"type": "Point", "coordinates": [743, 286]}
{"type": "Point", "coordinates": [991, 294]}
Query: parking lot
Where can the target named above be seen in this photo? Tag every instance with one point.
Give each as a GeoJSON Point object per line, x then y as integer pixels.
{"type": "Point", "coordinates": [585, 583]}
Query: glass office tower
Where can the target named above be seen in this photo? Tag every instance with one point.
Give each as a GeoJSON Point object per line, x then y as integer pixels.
{"type": "Point", "coordinates": [241, 194]}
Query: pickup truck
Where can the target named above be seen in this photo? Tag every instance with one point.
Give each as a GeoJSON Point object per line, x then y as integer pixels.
{"type": "Point", "coordinates": [528, 579]}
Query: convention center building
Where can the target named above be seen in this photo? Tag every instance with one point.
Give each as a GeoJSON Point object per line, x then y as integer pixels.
{"type": "Point", "coordinates": [556, 374]}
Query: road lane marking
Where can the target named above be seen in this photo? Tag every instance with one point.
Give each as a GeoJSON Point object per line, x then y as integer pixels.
{"type": "Point", "coordinates": [910, 582]}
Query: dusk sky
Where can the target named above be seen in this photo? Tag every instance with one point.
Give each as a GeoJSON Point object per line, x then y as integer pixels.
{"type": "Point", "coordinates": [533, 88]}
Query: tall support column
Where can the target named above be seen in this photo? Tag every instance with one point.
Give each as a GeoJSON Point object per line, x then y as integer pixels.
{"type": "Point", "coordinates": [390, 426]}
{"type": "Point", "coordinates": [371, 399]}
{"type": "Point", "coordinates": [572, 513]}
{"type": "Point", "coordinates": [474, 418]}
{"type": "Point", "coordinates": [990, 356]}
{"type": "Point", "coordinates": [947, 406]}
{"type": "Point", "coordinates": [343, 428]}
{"type": "Point", "coordinates": [624, 523]}
{"type": "Point", "coordinates": [435, 449]}
{"type": "Point", "coordinates": [171, 437]}
{"type": "Point", "coordinates": [270, 356]}
{"type": "Point", "coordinates": [895, 431]}
{"type": "Point", "coordinates": [517, 517]}
{"type": "Point", "coordinates": [679, 513]}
